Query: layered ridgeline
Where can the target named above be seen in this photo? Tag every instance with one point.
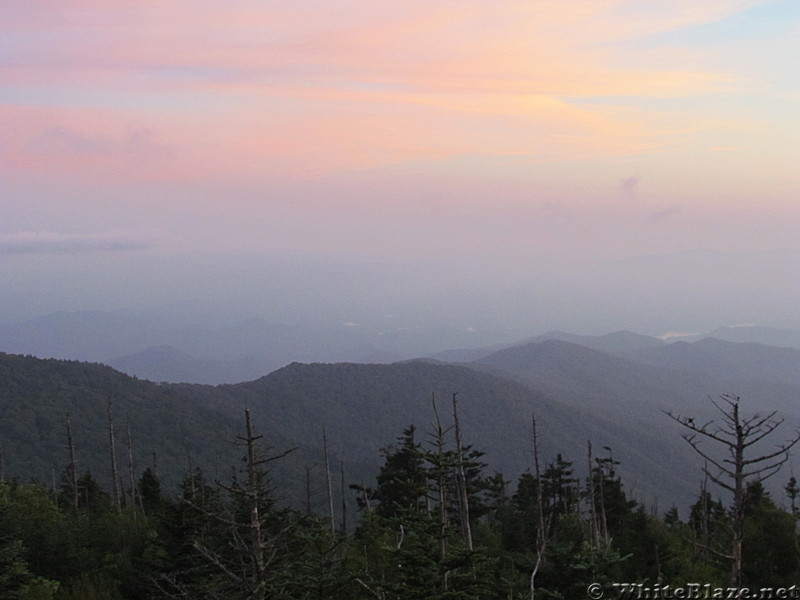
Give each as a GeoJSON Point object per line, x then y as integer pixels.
{"type": "Point", "coordinates": [578, 394]}
{"type": "Point", "coordinates": [178, 347]}
{"type": "Point", "coordinates": [362, 408]}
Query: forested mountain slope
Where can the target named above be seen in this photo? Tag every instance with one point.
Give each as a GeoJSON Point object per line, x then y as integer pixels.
{"type": "Point", "coordinates": [36, 396]}
{"type": "Point", "coordinates": [580, 376]}
{"type": "Point", "coordinates": [362, 407]}
{"type": "Point", "coordinates": [621, 343]}
{"type": "Point", "coordinates": [578, 395]}
{"type": "Point", "coordinates": [736, 361]}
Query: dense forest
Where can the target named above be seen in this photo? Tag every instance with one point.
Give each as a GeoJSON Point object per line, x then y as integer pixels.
{"type": "Point", "coordinates": [434, 523]}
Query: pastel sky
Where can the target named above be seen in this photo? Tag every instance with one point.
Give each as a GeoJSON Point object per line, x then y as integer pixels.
{"type": "Point", "coordinates": [499, 129]}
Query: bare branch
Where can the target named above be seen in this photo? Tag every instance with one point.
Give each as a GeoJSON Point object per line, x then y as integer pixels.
{"type": "Point", "coordinates": [737, 434]}
{"type": "Point", "coordinates": [377, 593]}
{"type": "Point", "coordinates": [696, 445]}
{"type": "Point", "coordinates": [710, 549]}
{"type": "Point", "coordinates": [215, 560]}
{"type": "Point", "coordinates": [689, 423]}
{"type": "Point", "coordinates": [757, 420]}
{"type": "Point", "coordinates": [781, 450]}
{"type": "Point", "coordinates": [776, 465]}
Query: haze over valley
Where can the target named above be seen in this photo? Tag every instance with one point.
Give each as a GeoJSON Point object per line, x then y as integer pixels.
{"type": "Point", "coordinates": [235, 317]}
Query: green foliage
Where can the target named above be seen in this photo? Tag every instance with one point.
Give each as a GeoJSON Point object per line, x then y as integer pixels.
{"type": "Point", "coordinates": [99, 552]}
{"type": "Point", "coordinates": [36, 396]}
{"type": "Point", "coordinates": [412, 542]}
{"type": "Point", "coordinates": [405, 548]}
{"type": "Point", "coordinates": [415, 542]}
{"type": "Point", "coordinates": [149, 489]}
{"type": "Point", "coordinates": [90, 586]}
{"type": "Point", "coordinates": [771, 554]}
{"type": "Point", "coordinates": [560, 487]}
{"type": "Point", "coordinates": [14, 572]}
{"type": "Point", "coordinates": [39, 588]}
{"type": "Point", "coordinates": [412, 556]}
{"type": "Point", "coordinates": [402, 480]}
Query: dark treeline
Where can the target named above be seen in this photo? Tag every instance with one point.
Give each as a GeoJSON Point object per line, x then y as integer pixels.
{"type": "Point", "coordinates": [433, 525]}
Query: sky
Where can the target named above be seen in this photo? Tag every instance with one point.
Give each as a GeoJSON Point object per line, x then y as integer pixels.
{"type": "Point", "coordinates": [515, 135]}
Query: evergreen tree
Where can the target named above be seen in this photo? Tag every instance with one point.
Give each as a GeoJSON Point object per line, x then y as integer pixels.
{"type": "Point", "coordinates": [402, 479]}
{"type": "Point", "coordinates": [16, 580]}
{"type": "Point", "coordinates": [149, 488]}
{"type": "Point", "coordinates": [415, 543]}
{"type": "Point", "coordinates": [560, 489]}
{"type": "Point", "coordinates": [770, 548]}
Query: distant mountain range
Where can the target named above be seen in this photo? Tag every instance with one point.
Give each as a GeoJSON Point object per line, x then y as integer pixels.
{"type": "Point", "coordinates": [610, 390]}
{"type": "Point", "coordinates": [197, 350]}
{"type": "Point", "coordinates": [753, 333]}
{"type": "Point", "coordinates": [168, 349]}
{"type": "Point", "coordinates": [731, 360]}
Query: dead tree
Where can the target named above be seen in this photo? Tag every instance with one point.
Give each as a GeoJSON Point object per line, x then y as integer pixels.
{"type": "Point", "coordinates": [737, 434]}
{"type": "Point", "coordinates": [72, 467]}
{"type": "Point", "coordinates": [542, 526]}
{"type": "Point", "coordinates": [594, 524]}
{"type": "Point", "coordinates": [328, 482]}
{"type": "Point", "coordinates": [344, 498]}
{"type": "Point", "coordinates": [249, 538]}
{"type": "Point", "coordinates": [441, 476]}
{"type": "Point", "coordinates": [705, 528]}
{"type": "Point", "coordinates": [131, 474]}
{"type": "Point", "coordinates": [112, 448]}
{"type": "Point", "coordinates": [252, 492]}
{"type": "Point", "coordinates": [461, 479]}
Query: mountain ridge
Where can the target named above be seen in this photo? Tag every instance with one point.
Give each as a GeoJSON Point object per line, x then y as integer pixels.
{"type": "Point", "coordinates": [363, 407]}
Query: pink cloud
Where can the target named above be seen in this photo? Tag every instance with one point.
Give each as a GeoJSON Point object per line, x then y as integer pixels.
{"type": "Point", "coordinates": [543, 47]}
{"type": "Point", "coordinates": [80, 143]}
{"type": "Point", "coordinates": [181, 90]}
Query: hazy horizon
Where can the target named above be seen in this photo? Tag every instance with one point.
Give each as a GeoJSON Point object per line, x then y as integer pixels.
{"type": "Point", "coordinates": [587, 166]}
{"type": "Point", "coordinates": [689, 292]}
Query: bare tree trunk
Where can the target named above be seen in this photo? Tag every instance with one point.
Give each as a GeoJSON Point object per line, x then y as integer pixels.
{"type": "Point", "coordinates": [441, 493]}
{"type": "Point", "coordinates": [113, 451]}
{"type": "Point", "coordinates": [344, 499]}
{"type": "Point", "coordinates": [738, 500]}
{"type": "Point", "coordinates": [253, 484]}
{"type": "Point", "coordinates": [593, 521]}
{"type": "Point", "coordinates": [604, 538]}
{"type": "Point", "coordinates": [541, 527]}
{"type": "Point", "coordinates": [705, 528]}
{"type": "Point", "coordinates": [366, 498]}
{"type": "Point", "coordinates": [461, 479]}
{"type": "Point", "coordinates": [328, 479]}
{"type": "Point", "coordinates": [131, 473]}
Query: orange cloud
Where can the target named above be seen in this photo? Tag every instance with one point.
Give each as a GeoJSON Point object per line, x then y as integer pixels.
{"type": "Point", "coordinates": [304, 89]}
